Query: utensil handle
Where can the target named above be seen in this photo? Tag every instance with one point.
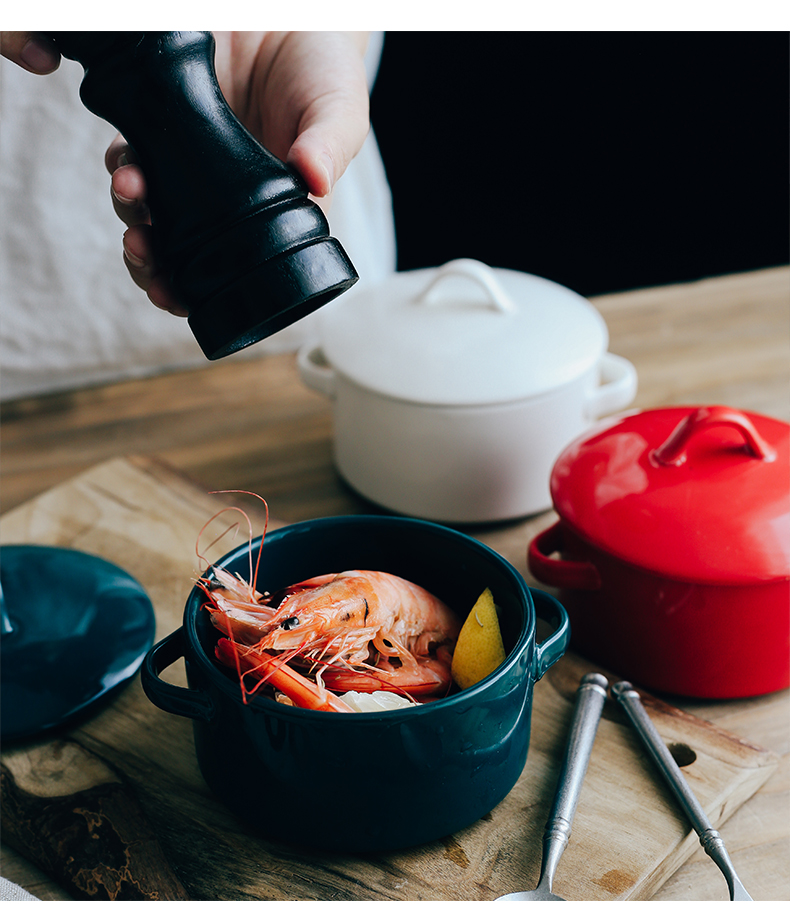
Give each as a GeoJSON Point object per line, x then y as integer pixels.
{"type": "Point", "coordinates": [709, 838]}
{"type": "Point", "coordinates": [590, 699]}
{"type": "Point", "coordinates": [632, 704]}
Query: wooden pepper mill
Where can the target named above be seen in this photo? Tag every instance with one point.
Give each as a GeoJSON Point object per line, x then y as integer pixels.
{"type": "Point", "coordinates": [245, 250]}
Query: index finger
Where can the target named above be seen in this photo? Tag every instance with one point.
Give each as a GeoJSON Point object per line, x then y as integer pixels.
{"type": "Point", "coordinates": [30, 50]}
{"type": "Point", "coordinates": [118, 153]}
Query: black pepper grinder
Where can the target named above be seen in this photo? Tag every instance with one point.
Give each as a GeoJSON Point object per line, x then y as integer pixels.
{"type": "Point", "coordinates": [245, 249]}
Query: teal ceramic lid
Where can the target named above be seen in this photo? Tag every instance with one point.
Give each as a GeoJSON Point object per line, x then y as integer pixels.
{"type": "Point", "coordinates": [75, 629]}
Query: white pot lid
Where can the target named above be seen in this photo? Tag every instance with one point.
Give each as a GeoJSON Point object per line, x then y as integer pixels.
{"type": "Point", "coordinates": [462, 334]}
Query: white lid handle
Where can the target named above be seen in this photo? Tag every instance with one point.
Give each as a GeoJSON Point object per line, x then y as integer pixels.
{"type": "Point", "coordinates": [477, 272]}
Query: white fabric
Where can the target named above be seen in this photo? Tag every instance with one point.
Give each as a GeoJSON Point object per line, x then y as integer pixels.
{"type": "Point", "coordinates": [70, 316]}
{"type": "Point", "coordinates": [12, 892]}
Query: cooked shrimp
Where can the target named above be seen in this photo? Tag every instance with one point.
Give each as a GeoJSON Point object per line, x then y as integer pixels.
{"type": "Point", "coordinates": [362, 630]}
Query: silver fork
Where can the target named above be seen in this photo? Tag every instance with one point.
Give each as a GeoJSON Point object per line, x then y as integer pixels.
{"type": "Point", "coordinates": [709, 838]}
{"type": "Point", "coordinates": [590, 699]}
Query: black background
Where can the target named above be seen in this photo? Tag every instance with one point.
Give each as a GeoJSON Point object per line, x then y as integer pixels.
{"type": "Point", "coordinates": [604, 161]}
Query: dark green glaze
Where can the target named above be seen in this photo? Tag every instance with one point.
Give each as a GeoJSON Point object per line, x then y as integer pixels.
{"type": "Point", "coordinates": [370, 781]}
{"type": "Point", "coordinates": [75, 628]}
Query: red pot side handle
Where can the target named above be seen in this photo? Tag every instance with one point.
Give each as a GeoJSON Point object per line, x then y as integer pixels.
{"type": "Point", "coordinates": [558, 572]}
{"type": "Point", "coordinates": [673, 451]}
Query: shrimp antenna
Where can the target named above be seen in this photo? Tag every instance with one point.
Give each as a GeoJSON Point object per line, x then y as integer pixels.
{"type": "Point", "coordinates": [238, 491]}
{"type": "Point", "coordinates": [234, 527]}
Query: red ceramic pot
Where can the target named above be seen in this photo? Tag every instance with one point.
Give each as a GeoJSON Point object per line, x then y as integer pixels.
{"type": "Point", "coordinates": [672, 551]}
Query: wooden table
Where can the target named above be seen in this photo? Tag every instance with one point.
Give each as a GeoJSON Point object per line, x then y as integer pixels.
{"type": "Point", "coordinates": [251, 424]}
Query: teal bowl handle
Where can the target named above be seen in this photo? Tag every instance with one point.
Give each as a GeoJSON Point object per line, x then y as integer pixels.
{"type": "Point", "coordinates": [171, 698]}
{"type": "Point", "coordinates": [553, 647]}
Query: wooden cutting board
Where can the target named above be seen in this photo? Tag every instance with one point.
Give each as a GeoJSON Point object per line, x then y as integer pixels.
{"type": "Point", "coordinates": [628, 836]}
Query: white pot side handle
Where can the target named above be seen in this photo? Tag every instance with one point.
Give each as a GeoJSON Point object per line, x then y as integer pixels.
{"type": "Point", "coordinates": [616, 390]}
{"type": "Point", "coordinates": [315, 370]}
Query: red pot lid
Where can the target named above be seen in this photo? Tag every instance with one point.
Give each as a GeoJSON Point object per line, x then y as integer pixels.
{"type": "Point", "coordinates": [693, 493]}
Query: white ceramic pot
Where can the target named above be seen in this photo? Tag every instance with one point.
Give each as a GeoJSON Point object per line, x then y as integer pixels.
{"type": "Point", "coordinates": [455, 389]}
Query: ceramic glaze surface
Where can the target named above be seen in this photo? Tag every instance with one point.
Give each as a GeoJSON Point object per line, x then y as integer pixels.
{"type": "Point", "coordinates": [717, 510]}
{"type": "Point", "coordinates": [455, 464]}
{"type": "Point", "coordinates": [462, 335]}
{"type": "Point", "coordinates": [672, 551]}
{"type": "Point", "coordinates": [672, 636]}
{"type": "Point", "coordinates": [424, 771]}
{"type": "Point", "coordinates": [454, 408]}
{"type": "Point", "coordinates": [79, 629]}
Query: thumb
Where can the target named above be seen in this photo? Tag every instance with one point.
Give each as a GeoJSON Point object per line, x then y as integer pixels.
{"type": "Point", "coordinates": [31, 51]}
{"type": "Point", "coordinates": [329, 138]}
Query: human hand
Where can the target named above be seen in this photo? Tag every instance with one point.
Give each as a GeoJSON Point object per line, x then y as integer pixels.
{"type": "Point", "coordinates": [31, 51]}
{"type": "Point", "coordinates": [303, 95]}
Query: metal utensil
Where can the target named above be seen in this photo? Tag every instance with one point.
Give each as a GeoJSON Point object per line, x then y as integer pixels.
{"type": "Point", "coordinates": [709, 838]}
{"type": "Point", "coordinates": [590, 698]}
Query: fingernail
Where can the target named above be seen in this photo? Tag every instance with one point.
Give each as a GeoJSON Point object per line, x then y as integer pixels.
{"type": "Point", "coordinates": [123, 159]}
{"type": "Point", "coordinates": [133, 258]}
{"type": "Point", "coordinates": [127, 201]}
{"type": "Point", "coordinates": [39, 56]}
{"type": "Point", "coordinates": [329, 167]}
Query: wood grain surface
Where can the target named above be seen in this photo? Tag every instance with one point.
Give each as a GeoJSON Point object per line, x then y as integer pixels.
{"type": "Point", "coordinates": [250, 423]}
{"type": "Point", "coordinates": [137, 513]}
{"type": "Point", "coordinates": [75, 816]}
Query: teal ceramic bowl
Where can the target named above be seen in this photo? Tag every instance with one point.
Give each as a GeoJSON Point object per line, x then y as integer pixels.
{"type": "Point", "coordinates": [367, 781]}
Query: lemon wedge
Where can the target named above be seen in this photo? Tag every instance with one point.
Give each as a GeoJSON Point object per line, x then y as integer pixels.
{"type": "Point", "coordinates": [479, 649]}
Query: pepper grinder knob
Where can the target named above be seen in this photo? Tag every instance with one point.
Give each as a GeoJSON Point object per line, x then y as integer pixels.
{"type": "Point", "coordinates": [245, 250]}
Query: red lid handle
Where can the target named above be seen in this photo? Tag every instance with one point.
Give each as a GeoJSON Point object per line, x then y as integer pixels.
{"type": "Point", "coordinates": [673, 451]}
